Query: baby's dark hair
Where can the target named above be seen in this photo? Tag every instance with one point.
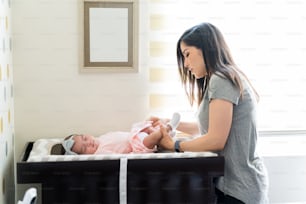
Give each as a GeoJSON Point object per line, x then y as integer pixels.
{"type": "Point", "coordinates": [58, 149]}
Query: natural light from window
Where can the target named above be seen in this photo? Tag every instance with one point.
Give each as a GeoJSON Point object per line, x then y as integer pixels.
{"type": "Point", "coordinates": [267, 40]}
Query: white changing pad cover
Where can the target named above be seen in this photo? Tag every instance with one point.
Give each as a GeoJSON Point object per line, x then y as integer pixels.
{"type": "Point", "coordinates": [42, 148]}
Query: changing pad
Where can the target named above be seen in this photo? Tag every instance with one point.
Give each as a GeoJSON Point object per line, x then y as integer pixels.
{"type": "Point", "coordinates": [41, 151]}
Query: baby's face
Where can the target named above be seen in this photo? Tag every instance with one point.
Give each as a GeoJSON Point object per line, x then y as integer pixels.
{"type": "Point", "coordinates": [85, 144]}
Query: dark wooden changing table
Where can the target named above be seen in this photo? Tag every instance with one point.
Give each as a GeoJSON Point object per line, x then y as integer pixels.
{"type": "Point", "coordinates": [151, 181]}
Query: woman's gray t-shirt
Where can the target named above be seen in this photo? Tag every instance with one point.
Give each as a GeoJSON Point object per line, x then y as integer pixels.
{"type": "Point", "coordinates": [245, 176]}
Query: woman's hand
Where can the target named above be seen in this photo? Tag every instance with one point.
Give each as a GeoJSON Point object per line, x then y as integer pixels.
{"type": "Point", "coordinates": [166, 141]}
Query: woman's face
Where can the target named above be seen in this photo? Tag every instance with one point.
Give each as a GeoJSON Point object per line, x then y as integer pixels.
{"type": "Point", "coordinates": [194, 60]}
{"type": "Point", "coordinates": [84, 144]}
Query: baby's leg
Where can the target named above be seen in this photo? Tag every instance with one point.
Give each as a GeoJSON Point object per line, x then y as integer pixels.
{"type": "Point", "coordinates": [150, 129]}
{"type": "Point", "coordinates": [152, 139]}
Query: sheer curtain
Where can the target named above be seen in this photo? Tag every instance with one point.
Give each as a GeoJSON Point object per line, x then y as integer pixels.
{"type": "Point", "coordinates": [267, 40]}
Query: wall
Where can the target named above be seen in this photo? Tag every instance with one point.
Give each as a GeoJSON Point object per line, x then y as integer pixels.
{"type": "Point", "coordinates": [6, 105]}
{"type": "Point", "coordinates": [287, 177]}
{"type": "Point", "coordinates": [285, 158]}
{"type": "Point", "coordinates": [53, 99]}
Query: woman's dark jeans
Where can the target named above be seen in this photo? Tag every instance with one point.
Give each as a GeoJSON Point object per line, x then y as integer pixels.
{"type": "Point", "coordinates": [226, 199]}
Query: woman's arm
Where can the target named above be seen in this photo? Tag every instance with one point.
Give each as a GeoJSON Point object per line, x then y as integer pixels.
{"type": "Point", "coordinates": [220, 121]}
{"type": "Point", "coordinates": [190, 128]}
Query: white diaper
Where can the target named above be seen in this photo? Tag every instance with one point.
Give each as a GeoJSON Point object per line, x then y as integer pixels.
{"type": "Point", "coordinates": [142, 135]}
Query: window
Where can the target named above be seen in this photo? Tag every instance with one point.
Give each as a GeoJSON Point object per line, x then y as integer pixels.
{"type": "Point", "coordinates": [267, 40]}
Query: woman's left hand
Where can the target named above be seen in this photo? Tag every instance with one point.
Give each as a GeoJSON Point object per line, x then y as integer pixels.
{"type": "Point", "coordinates": [166, 141]}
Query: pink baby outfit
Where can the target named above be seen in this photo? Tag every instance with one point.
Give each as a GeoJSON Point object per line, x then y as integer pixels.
{"type": "Point", "coordinates": [124, 142]}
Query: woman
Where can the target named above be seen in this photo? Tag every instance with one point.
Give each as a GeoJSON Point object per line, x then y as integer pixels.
{"type": "Point", "coordinates": [226, 114]}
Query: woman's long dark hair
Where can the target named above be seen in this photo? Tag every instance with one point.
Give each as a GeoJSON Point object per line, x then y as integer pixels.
{"type": "Point", "coordinates": [217, 57]}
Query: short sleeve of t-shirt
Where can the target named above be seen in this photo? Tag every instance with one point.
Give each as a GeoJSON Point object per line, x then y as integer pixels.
{"type": "Point", "coordinates": [222, 88]}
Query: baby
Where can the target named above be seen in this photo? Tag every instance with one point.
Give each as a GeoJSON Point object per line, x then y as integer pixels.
{"type": "Point", "coordinates": [142, 138]}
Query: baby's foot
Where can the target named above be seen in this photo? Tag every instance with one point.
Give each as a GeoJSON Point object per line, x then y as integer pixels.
{"type": "Point", "coordinates": [174, 122]}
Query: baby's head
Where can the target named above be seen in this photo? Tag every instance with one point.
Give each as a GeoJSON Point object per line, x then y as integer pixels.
{"type": "Point", "coordinates": [80, 144]}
